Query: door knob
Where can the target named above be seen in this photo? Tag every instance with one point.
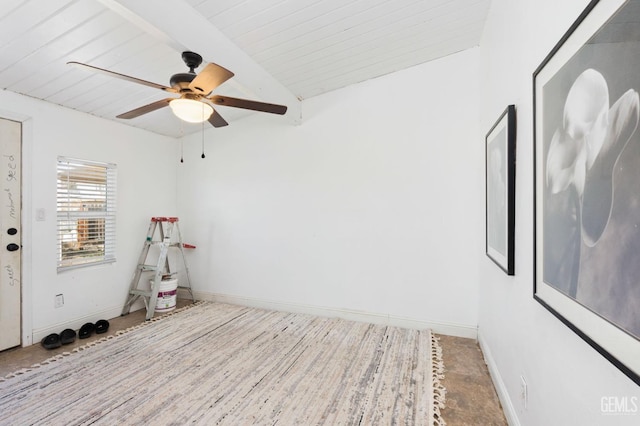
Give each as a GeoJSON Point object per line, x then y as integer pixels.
{"type": "Point", "coordinates": [12, 247]}
{"type": "Point", "coordinates": [12, 231]}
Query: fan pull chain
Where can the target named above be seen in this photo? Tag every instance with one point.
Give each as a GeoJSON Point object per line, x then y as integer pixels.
{"type": "Point", "coordinates": [181, 141]}
{"type": "Point", "coordinates": [203, 131]}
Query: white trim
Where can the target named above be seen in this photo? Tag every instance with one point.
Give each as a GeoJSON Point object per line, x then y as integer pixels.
{"type": "Point", "coordinates": [75, 324]}
{"type": "Point", "coordinates": [498, 383]}
{"type": "Point", "coordinates": [27, 232]}
{"type": "Point", "coordinates": [450, 329]}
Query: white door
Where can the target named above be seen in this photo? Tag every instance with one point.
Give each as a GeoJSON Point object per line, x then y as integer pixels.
{"type": "Point", "coordinates": [10, 248]}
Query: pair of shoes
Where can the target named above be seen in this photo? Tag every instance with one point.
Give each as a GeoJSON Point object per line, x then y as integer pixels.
{"type": "Point", "coordinates": [54, 340]}
{"type": "Point", "coordinates": [101, 326]}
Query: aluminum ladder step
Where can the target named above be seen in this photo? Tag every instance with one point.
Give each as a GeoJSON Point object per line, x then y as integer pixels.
{"type": "Point", "coordinates": [169, 238]}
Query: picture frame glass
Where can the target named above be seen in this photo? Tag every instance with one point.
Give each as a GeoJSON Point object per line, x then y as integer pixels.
{"type": "Point", "coordinates": [499, 178]}
{"type": "Point", "coordinates": [587, 181]}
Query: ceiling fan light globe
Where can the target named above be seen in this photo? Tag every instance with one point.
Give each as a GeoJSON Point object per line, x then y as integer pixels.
{"type": "Point", "coordinates": [190, 110]}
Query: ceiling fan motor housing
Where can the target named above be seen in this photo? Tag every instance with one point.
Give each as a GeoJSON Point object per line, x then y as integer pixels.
{"type": "Point", "coordinates": [181, 81]}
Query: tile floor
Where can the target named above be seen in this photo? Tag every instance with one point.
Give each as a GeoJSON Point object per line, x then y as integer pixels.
{"type": "Point", "coordinates": [471, 397]}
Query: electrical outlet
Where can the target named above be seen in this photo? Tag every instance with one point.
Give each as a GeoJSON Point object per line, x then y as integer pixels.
{"type": "Point", "coordinates": [59, 301]}
{"type": "Point", "coordinates": [523, 392]}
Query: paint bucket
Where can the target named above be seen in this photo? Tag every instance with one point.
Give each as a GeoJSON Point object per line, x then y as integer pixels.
{"type": "Point", "coordinates": [166, 295]}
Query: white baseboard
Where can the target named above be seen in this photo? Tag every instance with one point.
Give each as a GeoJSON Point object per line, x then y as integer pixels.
{"type": "Point", "coordinates": [459, 330]}
{"type": "Point", "coordinates": [501, 389]}
{"type": "Point", "coordinates": [108, 313]}
{"type": "Point", "coordinates": [449, 329]}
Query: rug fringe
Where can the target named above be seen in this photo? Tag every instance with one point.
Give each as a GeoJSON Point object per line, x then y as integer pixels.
{"type": "Point", "coordinates": [439, 391]}
{"type": "Point", "coordinates": [93, 343]}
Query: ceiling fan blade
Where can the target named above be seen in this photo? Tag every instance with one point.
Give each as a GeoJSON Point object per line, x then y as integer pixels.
{"type": "Point", "coordinates": [216, 120]}
{"type": "Point", "coordinates": [209, 78]}
{"type": "Point", "coordinates": [122, 76]}
{"type": "Point", "coordinates": [145, 109]}
{"type": "Point", "coordinates": [247, 104]}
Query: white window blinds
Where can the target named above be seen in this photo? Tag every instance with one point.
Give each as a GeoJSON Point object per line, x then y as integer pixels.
{"type": "Point", "coordinates": [86, 213]}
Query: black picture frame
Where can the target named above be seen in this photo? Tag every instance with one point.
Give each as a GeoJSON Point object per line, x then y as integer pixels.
{"type": "Point", "coordinates": [586, 150]}
{"type": "Point", "coordinates": [500, 190]}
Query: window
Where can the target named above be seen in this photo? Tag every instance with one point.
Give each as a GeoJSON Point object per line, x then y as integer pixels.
{"type": "Point", "coordinates": [86, 213]}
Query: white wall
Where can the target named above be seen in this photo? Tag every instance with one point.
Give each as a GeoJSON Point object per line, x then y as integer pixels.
{"type": "Point", "coordinates": [371, 205]}
{"type": "Point", "coordinates": [146, 187]}
{"type": "Point", "coordinates": [566, 378]}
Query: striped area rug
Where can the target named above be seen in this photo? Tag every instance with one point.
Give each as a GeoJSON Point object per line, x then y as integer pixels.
{"type": "Point", "coordinates": [212, 363]}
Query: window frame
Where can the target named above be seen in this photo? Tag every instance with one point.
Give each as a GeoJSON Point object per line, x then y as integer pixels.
{"type": "Point", "coordinates": [86, 208]}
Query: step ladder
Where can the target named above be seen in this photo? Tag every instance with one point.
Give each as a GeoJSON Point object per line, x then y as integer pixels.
{"type": "Point", "coordinates": [166, 227]}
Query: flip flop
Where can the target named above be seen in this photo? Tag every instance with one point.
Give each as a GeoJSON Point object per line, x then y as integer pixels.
{"type": "Point", "coordinates": [102, 326]}
{"type": "Point", "coordinates": [86, 330]}
{"type": "Point", "coordinates": [67, 336]}
{"type": "Point", "coordinates": [52, 341]}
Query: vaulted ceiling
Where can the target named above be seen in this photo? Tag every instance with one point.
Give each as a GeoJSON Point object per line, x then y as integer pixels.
{"type": "Point", "coordinates": [281, 51]}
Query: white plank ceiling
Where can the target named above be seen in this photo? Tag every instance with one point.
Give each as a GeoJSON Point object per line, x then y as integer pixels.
{"type": "Point", "coordinates": [282, 51]}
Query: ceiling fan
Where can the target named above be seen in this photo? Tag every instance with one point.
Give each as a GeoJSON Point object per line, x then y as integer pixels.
{"type": "Point", "coordinates": [194, 103]}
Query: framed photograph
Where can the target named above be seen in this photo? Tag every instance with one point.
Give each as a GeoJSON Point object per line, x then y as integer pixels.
{"type": "Point", "coordinates": [587, 181]}
{"type": "Point", "coordinates": [500, 163]}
